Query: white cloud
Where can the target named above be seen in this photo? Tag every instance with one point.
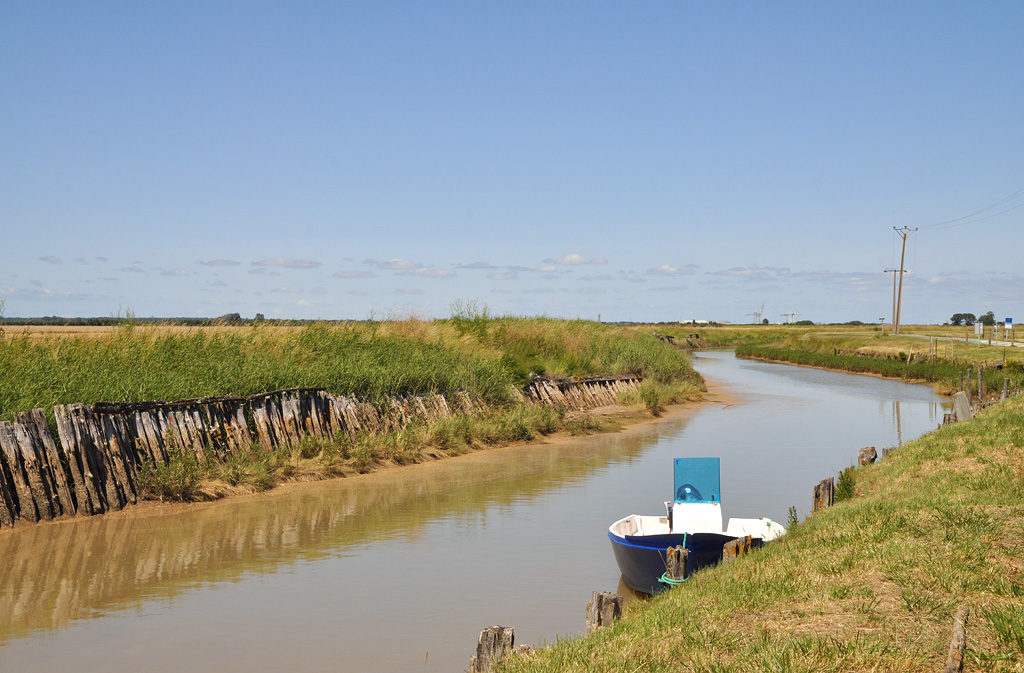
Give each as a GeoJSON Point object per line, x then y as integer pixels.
{"type": "Point", "coordinates": [503, 275]}
{"type": "Point", "coordinates": [50, 259]}
{"type": "Point", "coordinates": [174, 272]}
{"type": "Point", "coordinates": [288, 263]}
{"type": "Point", "coordinates": [219, 262]}
{"type": "Point", "coordinates": [571, 259]}
{"type": "Point", "coordinates": [669, 270]}
{"type": "Point", "coordinates": [429, 273]}
{"type": "Point", "coordinates": [398, 264]}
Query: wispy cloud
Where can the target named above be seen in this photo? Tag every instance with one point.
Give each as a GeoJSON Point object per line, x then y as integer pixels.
{"type": "Point", "coordinates": [503, 275]}
{"type": "Point", "coordinates": [597, 277]}
{"type": "Point", "coordinates": [398, 264]}
{"type": "Point", "coordinates": [50, 259]}
{"type": "Point", "coordinates": [409, 291]}
{"type": "Point", "coordinates": [287, 290]}
{"type": "Point", "coordinates": [429, 273]}
{"type": "Point", "coordinates": [575, 259]}
{"type": "Point", "coordinates": [669, 270]}
{"type": "Point", "coordinates": [288, 263]}
{"type": "Point", "coordinates": [174, 272]}
{"type": "Point", "coordinates": [219, 262]}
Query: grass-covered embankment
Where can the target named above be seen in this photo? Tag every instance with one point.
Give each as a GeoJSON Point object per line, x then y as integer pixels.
{"type": "Point", "coordinates": [944, 374]}
{"type": "Point", "coordinates": [871, 584]}
{"type": "Point", "coordinates": [471, 353]}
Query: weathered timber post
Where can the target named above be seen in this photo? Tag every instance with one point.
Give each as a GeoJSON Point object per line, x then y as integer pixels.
{"type": "Point", "coordinates": [603, 610]}
{"type": "Point", "coordinates": [958, 643]}
{"type": "Point", "coordinates": [736, 548]}
{"type": "Point", "coordinates": [968, 391]}
{"type": "Point", "coordinates": [981, 387]}
{"type": "Point", "coordinates": [867, 455]}
{"type": "Point", "coordinates": [1006, 389]}
{"type": "Point", "coordinates": [675, 568]}
{"type": "Point", "coordinates": [961, 382]}
{"type": "Point", "coordinates": [494, 642]}
{"type": "Point", "coordinates": [824, 494]}
{"type": "Point", "coordinates": [962, 407]}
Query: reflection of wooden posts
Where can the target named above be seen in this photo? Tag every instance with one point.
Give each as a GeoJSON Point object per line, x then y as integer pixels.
{"type": "Point", "coordinates": [824, 494]}
{"type": "Point", "coordinates": [958, 643]}
{"type": "Point", "coordinates": [603, 610]}
{"type": "Point", "coordinates": [736, 548]}
{"type": "Point", "coordinates": [494, 642]}
{"type": "Point", "coordinates": [678, 558]}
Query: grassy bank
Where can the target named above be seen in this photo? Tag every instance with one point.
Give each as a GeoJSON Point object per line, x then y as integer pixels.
{"type": "Point", "coordinates": [486, 357]}
{"type": "Point", "coordinates": [871, 584]}
{"type": "Point", "coordinates": [944, 374]}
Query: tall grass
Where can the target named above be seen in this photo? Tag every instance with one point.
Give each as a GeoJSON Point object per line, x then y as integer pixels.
{"type": "Point", "coordinates": [484, 356]}
{"type": "Point", "coordinates": [944, 373]}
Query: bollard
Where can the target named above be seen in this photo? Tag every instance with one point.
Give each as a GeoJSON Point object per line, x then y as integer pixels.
{"type": "Point", "coordinates": [675, 569]}
{"type": "Point", "coordinates": [824, 494]}
{"type": "Point", "coordinates": [494, 642]}
{"type": "Point", "coordinates": [736, 548]}
{"type": "Point", "coordinates": [603, 610]}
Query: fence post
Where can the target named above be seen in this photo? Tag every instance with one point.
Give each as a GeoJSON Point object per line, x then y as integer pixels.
{"type": "Point", "coordinates": [824, 494]}
{"type": "Point", "coordinates": [603, 610]}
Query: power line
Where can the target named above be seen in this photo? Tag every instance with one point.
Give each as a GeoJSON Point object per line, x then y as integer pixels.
{"type": "Point", "coordinates": [966, 219]}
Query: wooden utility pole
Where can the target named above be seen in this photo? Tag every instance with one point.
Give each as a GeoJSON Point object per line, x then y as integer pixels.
{"type": "Point", "coordinates": [904, 232]}
{"type": "Point", "coordinates": [893, 272]}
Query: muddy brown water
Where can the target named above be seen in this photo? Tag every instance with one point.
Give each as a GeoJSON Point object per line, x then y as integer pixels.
{"type": "Point", "coordinates": [400, 571]}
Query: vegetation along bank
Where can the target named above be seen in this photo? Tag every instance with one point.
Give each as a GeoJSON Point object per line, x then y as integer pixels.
{"type": "Point", "coordinates": [393, 392]}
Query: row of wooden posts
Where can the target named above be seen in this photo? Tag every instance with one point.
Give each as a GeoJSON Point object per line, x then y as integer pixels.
{"type": "Point", "coordinates": [93, 466]}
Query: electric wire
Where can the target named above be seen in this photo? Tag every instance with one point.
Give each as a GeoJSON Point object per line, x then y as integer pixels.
{"type": "Point", "coordinates": [966, 219]}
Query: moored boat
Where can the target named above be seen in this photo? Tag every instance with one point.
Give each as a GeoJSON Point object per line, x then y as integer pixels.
{"type": "Point", "coordinates": [693, 520]}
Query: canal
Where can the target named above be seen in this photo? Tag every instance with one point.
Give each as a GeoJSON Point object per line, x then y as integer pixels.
{"type": "Point", "coordinates": [400, 571]}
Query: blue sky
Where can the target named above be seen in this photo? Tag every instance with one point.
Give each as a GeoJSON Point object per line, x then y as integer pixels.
{"type": "Point", "coordinates": [637, 161]}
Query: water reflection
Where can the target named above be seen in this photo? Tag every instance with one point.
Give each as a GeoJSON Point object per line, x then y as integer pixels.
{"type": "Point", "coordinates": [54, 574]}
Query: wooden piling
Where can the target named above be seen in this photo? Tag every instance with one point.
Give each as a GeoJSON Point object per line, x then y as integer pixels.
{"type": "Point", "coordinates": [676, 564]}
{"type": "Point", "coordinates": [733, 549]}
{"type": "Point", "coordinates": [603, 610]}
{"type": "Point", "coordinates": [867, 455]}
{"type": "Point", "coordinates": [958, 642]}
{"type": "Point", "coordinates": [491, 647]}
{"type": "Point", "coordinates": [824, 494]}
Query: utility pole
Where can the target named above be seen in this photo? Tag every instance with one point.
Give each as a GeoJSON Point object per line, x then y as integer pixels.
{"type": "Point", "coordinates": [904, 232]}
{"type": "Point", "coordinates": [893, 272]}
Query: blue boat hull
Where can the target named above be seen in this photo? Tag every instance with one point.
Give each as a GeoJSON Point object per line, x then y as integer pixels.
{"type": "Point", "coordinates": [642, 558]}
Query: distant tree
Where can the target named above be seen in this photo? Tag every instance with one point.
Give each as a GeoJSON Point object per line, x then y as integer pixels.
{"type": "Point", "coordinates": [764, 321]}
{"type": "Point", "coordinates": [260, 317]}
{"type": "Point", "coordinates": [804, 322]}
{"type": "Point", "coordinates": [988, 319]}
{"type": "Point", "coordinates": [962, 319]}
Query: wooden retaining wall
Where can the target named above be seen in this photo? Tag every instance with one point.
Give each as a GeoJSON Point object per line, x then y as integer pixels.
{"type": "Point", "coordinates": [580, 394]}
{"type": "Point", "coordinates": [95, 467]}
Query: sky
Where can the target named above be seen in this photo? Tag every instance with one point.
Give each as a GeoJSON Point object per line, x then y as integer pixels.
{"type": "Point", "coordinates": [622, 161]}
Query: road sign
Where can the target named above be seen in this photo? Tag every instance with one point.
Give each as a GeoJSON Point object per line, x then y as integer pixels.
{"type": "Point", "coordinates": [1009, 324]}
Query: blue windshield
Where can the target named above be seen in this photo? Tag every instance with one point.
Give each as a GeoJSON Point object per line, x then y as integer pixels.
{"type": "Point", "coordinates": [697, 480]}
